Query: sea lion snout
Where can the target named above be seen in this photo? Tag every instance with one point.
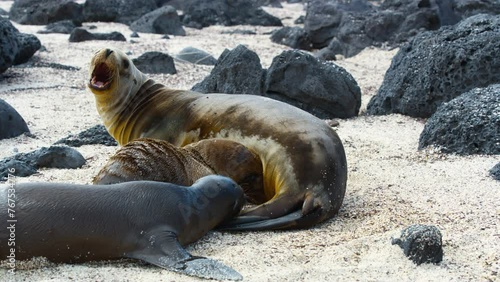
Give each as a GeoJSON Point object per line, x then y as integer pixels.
{"type": "Point", "coordinates": [108, 52]}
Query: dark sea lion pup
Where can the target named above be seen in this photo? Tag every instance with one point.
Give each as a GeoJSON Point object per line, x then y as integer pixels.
{"type": "Point", "coordinates": [158, 160]}
{"type": "Point", "coordinates": [303, 160]}
{"type": "Point", "coordinates": [144, 220]}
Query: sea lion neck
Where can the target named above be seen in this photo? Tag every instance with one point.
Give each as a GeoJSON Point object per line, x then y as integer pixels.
{"type": "Point", "coordinates": [121, 113]}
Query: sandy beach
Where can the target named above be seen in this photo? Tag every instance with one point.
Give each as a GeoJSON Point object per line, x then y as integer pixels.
{"type": "Point", "coordinates": [391, 184]}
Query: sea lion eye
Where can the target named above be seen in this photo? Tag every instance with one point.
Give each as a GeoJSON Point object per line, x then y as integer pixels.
{"type": "Point", "coordinates": [126, 64]}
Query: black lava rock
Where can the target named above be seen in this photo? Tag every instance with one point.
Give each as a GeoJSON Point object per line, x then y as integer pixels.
{"type": "Point", "coordinates": [237, 71]}
{"type": "Point", "coordinates": [56, 157]}
{"type": "Point", "coordinates": [37, 12]}
{"type": "Point", "coordinates": [80, 34]}
{"type": "Point", "coordinates": [28, 45]}
{"type": "Point", "coordinates": [196, 56]}
{"type": "Point", "coordinates": [11, 123]}
{"type": "Point", "coordinates": [164, 20]}
{"type": "Point", "coordinates": [324, 18]}
{"type": "Point", "coordinates": [240, 31]}
{"type": "Point", "coordinates": [155, 62]}
{"type": "Point", "coordinates": [177, 4]}
{"type": "Point", "coordinates": [320, 88]}
{"type": "Point", "coordinates": [122, 11]}
{"type": "Point", "coordinates": [347, 27]}
{"type": "Point", "coordinates": [495, 172]}
{"type": "Point", "coordinates": [202, 13]}
{"type": "Point", "coordinates": [270, 3]}
{"type": "Point", "coordinates": [468, 124]}
{"type": "Point", "coordinates": [92, 136]}
{"type": "Point", "coordinates": [421, 244]}
{"type": "Point", "coordinates": [294, 37]}
{"type": "Point", "coordinates": [9, 44]}
{"type": "Point", "coordinates": [64, 27]}
{"type": "Point", "coordinates": [299, 20]}
{"type": "Point", "coordinates": [16, 168]}
{"type": "Point", "coordinates": [26, 164]}
{"type": "Point", "coordinates": [435, 67]}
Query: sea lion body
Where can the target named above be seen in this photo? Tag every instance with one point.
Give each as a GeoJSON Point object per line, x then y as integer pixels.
{"type": "Point", "coordinates": [143, 220]}
{"type": "Point", "coordinates": [303, 160]}
{"type": "Point", "coordinates": [158, 160]}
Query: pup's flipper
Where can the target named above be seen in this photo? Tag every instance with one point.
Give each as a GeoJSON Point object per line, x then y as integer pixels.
{"type": "Point", "coordinates": [165, 251]}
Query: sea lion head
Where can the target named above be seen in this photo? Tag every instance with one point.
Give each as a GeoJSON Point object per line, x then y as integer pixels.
{"type": "Point", "coordinates": [218, 195]}
{"type": "Point", "coordinates": [234, 160]}
{"type": "Point", "coordinates": [113, 75]}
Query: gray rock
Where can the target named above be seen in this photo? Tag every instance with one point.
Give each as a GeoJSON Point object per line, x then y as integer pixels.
{"type": "Point", "coordinates": [299, 20]}
{"type": "Point", "coordinates": [11, 123]}
{"type": "Point", "coordinates": [9, 45]}
{"type": "Point", "coordinates": [202, 13]}
{"type": "Point", "coordinates": [347, 27]}
{"type": "Point", "coordinates": [237, 71]}
{"type": "Point", "coordinates": [468, 8]}
{"type": "Point", "coordinates": [164, 20]}
{"type": "Point", "coordinates": [240, 31]}
{"type": "Point", "coordinates": [64, 27]}
{"type": "Point", "coordinates": [177, 4]}
{"type": "Point", "coordinates": [92, 136]}
{"type": "Point", "coordinates": [28, 45]}
{"type": "Point", "coordinates": [122, 11]}
{"type": "Point", "coordinates": [468, 124]}
{"type": "Point", "coordinates": [56, 157]}
{"type": "Point", "coordinates": [35, 12]}
{"type": "Point", "coordinates": [294, 37]}
{"type": "Point", "coordinates": [324, 18]}
{"type": "Point", "coordinates": [320, 88]}
{"type": "Point", "coordinates": [435, 67]}
{"type": "Point", "coordinates": [196, 56]}
{"type": "Point", "coordinates": [155, 62]}
{"type": "Point", "coordinates": [26, 164]}
{"type": "Point", "coordinates": [421, 244]}
{"type": "Point", "coordinates": [495, 172]}
{"type": "Point", "coordinates": [79, 34]}
{"type": "Point", "coordinates": [16, 168]}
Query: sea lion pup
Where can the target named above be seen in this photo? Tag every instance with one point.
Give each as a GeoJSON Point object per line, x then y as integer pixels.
{"type": "Point", "coordinates": [158, 160]}
{"type": "Point", "coordinates": [144, 220]}
{"type": "Point", "coordinates": [303, 160]}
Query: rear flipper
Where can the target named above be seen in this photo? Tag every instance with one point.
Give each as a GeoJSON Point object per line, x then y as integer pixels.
{"type": "Point", "coordinates": [166, 252]}
{"type": "Point", "coordinates": [283, 212]}
{"type": "Point", "coordinates": [294, 220]}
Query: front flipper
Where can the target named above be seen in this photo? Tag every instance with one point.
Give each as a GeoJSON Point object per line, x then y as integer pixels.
{"type": "Point", "coordinates": [165, 251]}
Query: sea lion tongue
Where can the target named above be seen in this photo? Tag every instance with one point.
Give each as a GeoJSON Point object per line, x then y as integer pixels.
{"type": "Point", "coordinates": [101, 77]}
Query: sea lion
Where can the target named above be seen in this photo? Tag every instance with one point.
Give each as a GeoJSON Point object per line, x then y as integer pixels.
{"type": "Point", "coordinates": [303, 160]}
{"type": "Point", "coordinates": [158, 160]}
{"type": "Point", "coordinates": [144, 220]}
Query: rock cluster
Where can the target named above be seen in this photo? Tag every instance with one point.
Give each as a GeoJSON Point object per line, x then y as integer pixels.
{"type": "Point", "coordinates": [15, 47]}
{"type": "Point", "coordinates": [295, 77]}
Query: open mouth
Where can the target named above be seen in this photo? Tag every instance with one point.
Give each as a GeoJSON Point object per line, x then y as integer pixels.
{"type": "Point", "coordinates": [101, 77]}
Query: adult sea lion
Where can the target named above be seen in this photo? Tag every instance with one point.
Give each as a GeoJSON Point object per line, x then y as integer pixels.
{"type": "Point", "coordinates": [144, 220]}
{"type": "Point", "coordinates": [158, 160]}
{"type": "Point", "coordinates": [303, 160]}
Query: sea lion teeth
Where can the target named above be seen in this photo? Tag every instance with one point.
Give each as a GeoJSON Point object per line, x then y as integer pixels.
{"type": "Point", "coordinates": [303, 160]}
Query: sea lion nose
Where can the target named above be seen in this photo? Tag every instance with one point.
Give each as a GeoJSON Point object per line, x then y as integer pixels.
{"type": "Point", "coordinates": [108, 52]}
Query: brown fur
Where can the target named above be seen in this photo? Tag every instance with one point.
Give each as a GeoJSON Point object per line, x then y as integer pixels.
{"type": "Point", "coordinates": [158, 160]}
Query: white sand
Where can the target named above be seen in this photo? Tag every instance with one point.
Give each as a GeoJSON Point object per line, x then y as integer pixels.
{"type": "Point", "coordinates": [391, 185]}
